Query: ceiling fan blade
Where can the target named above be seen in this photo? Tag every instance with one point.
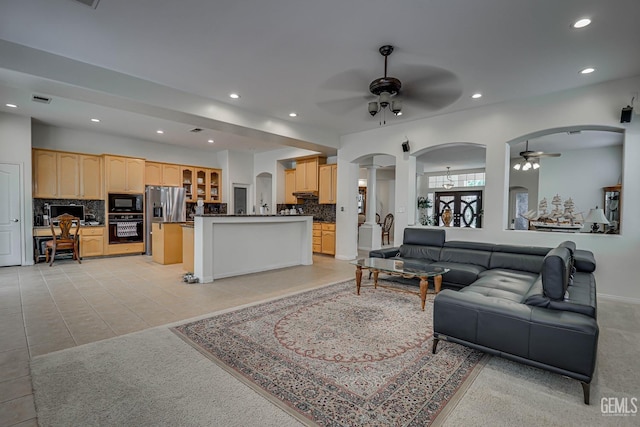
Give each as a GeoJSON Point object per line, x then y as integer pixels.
{"type": "Point", "coordinates": [547, 155]}
{"type": "Point", "coordinates": [343, 106]}
{"type": "Point", "coordinates": [348, 81]}
{"type": "Point", "coordinates": [430, 99]}
{"type": "Point", "coordinates": [415, 76]}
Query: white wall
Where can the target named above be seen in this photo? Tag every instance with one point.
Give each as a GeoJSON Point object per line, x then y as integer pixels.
{"type": "Point", "coordinates": [494, 126]}
{"type": "Point", "coordinates": [574, 175]}
{"type": "Point", "coordinates": [83, 141]}
{"type": "Point", "coordinates": [239, 167]}
{"type": "Point", "coordinates": [15, 148]}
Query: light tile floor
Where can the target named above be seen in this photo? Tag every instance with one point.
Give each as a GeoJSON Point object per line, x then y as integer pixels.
{"type": "Point", "coordinates": [45, 309]}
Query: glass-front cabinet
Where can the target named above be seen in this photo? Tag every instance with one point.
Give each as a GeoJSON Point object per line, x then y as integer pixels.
{"type": "Point", "coordinates": [612, 207]}
{"type": "Point", "coordinates": [213, 195]}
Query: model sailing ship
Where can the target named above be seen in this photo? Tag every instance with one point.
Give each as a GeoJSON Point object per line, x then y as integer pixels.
{"type": "Point", "coordinates": [558, 219]}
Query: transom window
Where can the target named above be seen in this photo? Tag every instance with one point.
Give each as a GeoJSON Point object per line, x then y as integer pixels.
{"type": "Point", "coordinates": [471, 179]}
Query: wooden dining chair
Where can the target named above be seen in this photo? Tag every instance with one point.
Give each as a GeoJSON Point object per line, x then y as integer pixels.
{"type": "Point", "coordinates": [386, 226]}
{"type": "Point", "coordinates": [67, 240]}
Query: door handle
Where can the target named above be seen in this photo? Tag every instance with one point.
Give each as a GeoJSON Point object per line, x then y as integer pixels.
{"type": "Point", "coordinates": [15, 220]}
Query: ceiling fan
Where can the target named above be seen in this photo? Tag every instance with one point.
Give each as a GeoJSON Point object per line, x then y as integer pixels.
{"type": "Point", "coordinates": [530, 158]}
{"type": "Point", "coordinates": [424, 88]}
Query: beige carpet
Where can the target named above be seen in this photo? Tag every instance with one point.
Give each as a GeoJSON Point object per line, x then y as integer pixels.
{"type": "Point", "coordinates": [136, 380]}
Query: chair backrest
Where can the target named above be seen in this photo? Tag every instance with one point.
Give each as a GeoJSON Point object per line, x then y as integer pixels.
{"type": "Point", "coordinates": [388, 222]}
{"type": "Point", "coordinates": [66, 223]}
{"type": "Point", "coordinates": [377, 218]}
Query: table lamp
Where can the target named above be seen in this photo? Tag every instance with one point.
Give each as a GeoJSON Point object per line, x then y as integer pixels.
{"type": "Point", "coordinates": [596, 217]}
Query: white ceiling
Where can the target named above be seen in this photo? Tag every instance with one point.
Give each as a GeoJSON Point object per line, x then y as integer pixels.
{"type": "Point", "coordinates": [147, 64]}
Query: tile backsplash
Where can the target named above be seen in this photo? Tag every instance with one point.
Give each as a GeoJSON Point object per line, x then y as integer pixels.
{"type": "Point", "coordinates": [325, 213]}
{"type": "Point", "coordinates": [95, 207]}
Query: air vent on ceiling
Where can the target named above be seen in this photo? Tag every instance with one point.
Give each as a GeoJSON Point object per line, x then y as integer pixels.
{"type": "Point", "coordinates": [41, 98]}
{"type": "Point", "coordinates": [196, 130]}
{"type": "Point", "coordinates": [90, 3]}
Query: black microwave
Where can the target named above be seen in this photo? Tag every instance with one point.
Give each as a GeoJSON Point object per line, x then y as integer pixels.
{"type": "Point", "coordinates": [125, 203]}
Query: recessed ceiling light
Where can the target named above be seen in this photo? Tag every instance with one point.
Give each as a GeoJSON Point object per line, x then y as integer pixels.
{"type": "Point", "coordinates": [293, 114]}
{"type": "Point", "coordinates": [210, 141]}
{"type": "Point", "coordinates": [476, 95]}
{"type": "Point", "coordinates": [581, 23]}
{"type": "Point", "coordinates": [588, 70]}
{"type": "Point", "coordinates": [234, 95]}
{"type": "Point", "coordinates": [11, 105]}
{"type": "Point", "coordinates": [95, 120]}
{"type": "Point", "coordinates": [160, 131]}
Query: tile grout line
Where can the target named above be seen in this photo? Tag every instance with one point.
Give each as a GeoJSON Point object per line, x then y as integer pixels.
{"type": "Point", "coordinates": [66, 325]}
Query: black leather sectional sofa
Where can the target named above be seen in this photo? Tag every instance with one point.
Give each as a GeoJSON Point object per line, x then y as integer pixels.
{"type": "Point", "coordinates": [529, 304]}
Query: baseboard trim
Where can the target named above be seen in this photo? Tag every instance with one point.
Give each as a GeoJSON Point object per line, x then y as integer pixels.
{"type": "Point", "coordinates": [619, 298]}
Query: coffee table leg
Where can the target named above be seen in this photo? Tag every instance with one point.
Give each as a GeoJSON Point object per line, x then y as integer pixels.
{"type": "Point", "coordinates": [375, 279]}
{"type": "Point", "coordinates": [423, 290]}
{"type": "Point", "coordinates": [437, 283]}
{"type": "Point", "coordinates": [358, 278]}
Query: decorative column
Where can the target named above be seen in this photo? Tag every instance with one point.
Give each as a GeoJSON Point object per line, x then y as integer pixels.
{"type": "Point", "coordinates": [370, 233]}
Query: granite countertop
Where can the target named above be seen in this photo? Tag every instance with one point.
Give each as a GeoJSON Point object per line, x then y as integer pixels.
{"type": "Point", "coordinates": [43, 227]}
{"type": "Point", "coordinates": [247, 215]}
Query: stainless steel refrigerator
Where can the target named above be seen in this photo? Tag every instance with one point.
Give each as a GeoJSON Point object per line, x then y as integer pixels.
{"type": "Point", "coordinates": [163, 204]}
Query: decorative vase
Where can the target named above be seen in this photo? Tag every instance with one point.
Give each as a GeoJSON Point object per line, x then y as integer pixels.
{"type": "Point", "coordinates": [446, 217]}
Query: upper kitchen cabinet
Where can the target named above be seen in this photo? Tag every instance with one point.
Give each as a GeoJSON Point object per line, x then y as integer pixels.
{"type": "Point", "coordinates": [45, 174]}
{"type": "Point", "coordinates": [307, 173]}
{"type": "Point", "coordinates": [328, 184]}
{"type": "Point", "coordinates": [124, 174]}
{"type": "Point", "coordinates": [162, 174]}
{"type": "Point", "coordinates": [90, 177]}
{"type": "Point", "coordinates": [290, 186]}
{"type": "Point", "coordinates": [202, 179]}
{"type": "Point", "coordinates": [62, 175]}
{"type": "Point", "coordinates": [214, 185]}
{"type": "Point", "coordinates": [188, 179]}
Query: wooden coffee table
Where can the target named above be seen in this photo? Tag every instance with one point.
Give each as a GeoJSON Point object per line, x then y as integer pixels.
{"type": "Point", "coordinates": [398, 268]}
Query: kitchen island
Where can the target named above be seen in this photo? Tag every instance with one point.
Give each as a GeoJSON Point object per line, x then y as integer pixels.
{"type": "Point", "coordinates": [232, 245]}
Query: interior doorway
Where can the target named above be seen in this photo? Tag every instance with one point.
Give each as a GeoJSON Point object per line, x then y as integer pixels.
{"type": "Point", "coordinates": [240, 199]}
{"type": "Point", "coordinates": [10, 242]}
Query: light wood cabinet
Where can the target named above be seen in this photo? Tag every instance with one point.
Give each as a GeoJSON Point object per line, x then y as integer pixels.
{"type": "Point", "coordinates": [124, 174]}
{"type": "Point", "coordinates": [162, 174]}
{"type": "Point", "coordinates": [307, 173]}
{"type": "Point", "coordinates": [202, 184]}
{"type": "Point", "coordinates": [328, 239]}
{"type": "Point", "coordinates": [90, 177]}
{"type": "Point", "coordinates": [324, 238]}
{"type": "Point", "coordinates": [123, 248]}
{"type": "Point", "coordinates": [214, 180]}
{"type": "Point", "coordinates": [290, 186]}
{"type": "Point", "coordinates": [317, 237]}
{"type": "Point", "coordinates": [45, 174]}
{"type": "Point", "coordinates": [68, 175]}
{"type": "Point", "coordinates": [166, 243]}
{"type": "Point", "coordinates": [91, 241]}
{"type": "Point", "coordinates": [62, 175]}
{"type": "Point", "coordinates": [328, 175]}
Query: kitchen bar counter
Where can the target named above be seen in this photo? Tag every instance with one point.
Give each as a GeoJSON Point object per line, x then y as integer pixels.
{"type": "Point", "coordinates": [231, 245]}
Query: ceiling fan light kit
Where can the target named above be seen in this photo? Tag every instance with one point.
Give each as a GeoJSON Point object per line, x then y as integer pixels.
{"type": "Point", "coordinates": [530, 159]}
{"type": "Point", "coordinates": [385, 88]}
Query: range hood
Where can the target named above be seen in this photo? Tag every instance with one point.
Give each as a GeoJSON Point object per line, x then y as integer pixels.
{"type": "Point", "coordinates": [306, 194]}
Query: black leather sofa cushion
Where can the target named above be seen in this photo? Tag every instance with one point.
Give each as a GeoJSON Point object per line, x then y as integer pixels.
{"type": "Point", "coordinates": [427, 253]}
{"type": "Point", "coordinates": [460, 274]}
{"type": "Point", "coordinates": [466, 256]}
{"type": "Point", "coordinates": [579, 298]}
{"type": "Point", "coordinates": [584, 261]}
{"type": "Point", "coordinates": [519, 262]}
{"type": "Point", "coordinates": [425, 237]}
{"type": "Point", "coordinates": [517, 283]}
{"type": "Point", "coordinates": [556, 270]}
{"type": "Point", "coordinates": [384, 253]}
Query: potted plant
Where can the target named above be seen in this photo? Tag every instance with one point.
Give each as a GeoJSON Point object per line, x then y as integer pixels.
{"type": "Point", "coordinates": [424, 204]}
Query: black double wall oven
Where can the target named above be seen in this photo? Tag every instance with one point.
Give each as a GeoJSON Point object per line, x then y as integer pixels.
{"type": "Point", "coordinates": [126, 218]}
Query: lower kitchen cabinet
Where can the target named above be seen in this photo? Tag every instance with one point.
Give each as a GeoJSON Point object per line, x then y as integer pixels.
{"type": "Point", "coordinates": [91, 241]}
{"type": "Point", "coordinates": [324, 238]}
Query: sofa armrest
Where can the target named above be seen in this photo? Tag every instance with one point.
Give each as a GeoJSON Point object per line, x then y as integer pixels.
{"type": "Point", "coordinates": [384, 253]}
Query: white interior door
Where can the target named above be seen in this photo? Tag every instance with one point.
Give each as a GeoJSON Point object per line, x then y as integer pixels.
{"type": "Point", "coordinates": [10, 243]}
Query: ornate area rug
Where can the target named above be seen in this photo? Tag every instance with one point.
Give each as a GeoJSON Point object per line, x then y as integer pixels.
{"type": "Point", "coordinates": [334, 358]}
